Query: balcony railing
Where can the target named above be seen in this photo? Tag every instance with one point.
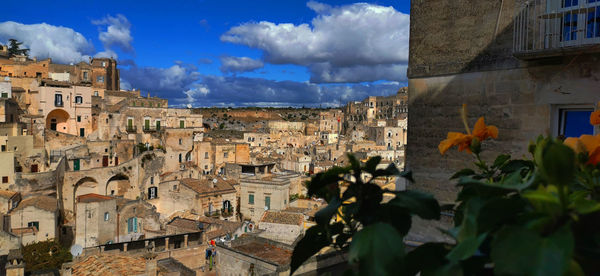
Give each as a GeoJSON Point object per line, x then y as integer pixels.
{"type": "Point", "coordinates": [548, 27]}
{"type": "Point", "coordinates": [58, 103]}
{"type": "Point", "coordinates": [153, 128]}
{"type": "Point", "coordinates": [215, 213]}
{"type": "Point", "coordinates": [131, 129]}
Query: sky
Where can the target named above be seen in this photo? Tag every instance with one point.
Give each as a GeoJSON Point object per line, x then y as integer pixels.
{"type": "Point", "coordinates": [207, 53]}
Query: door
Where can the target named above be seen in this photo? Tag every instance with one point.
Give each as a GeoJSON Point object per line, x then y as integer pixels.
{"type": "Point", "coordinates": [53, 124]}
{"type": "Point", "coordinates": [105, 161]}
{"type": "Point", "coordinates": [147, 124]}
{"type": "Point", "coordinates": [34, 168]}
{"type": "Point", "coordinates": [181, 124]}
{"type": "Point", "coordinates": [116, 161]}
{"type": "Point", "coordinates": [82, 132]}
{"type": "Point", "coordinates": [157, 125]}
{"type": "Point", "coordinates": [129, 124]}
{"type": "Point", "coordinates": [76, 164]}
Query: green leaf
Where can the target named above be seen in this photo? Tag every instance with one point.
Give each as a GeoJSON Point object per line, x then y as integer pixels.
{"type": "Point", "coordinates": [421, 204]}
{"type": "Point", "coordinates": [372, 163]}
{"type": "Point", "coordinates": [425, 258]}
{"type": "Point", "coordinates": [323, 216]}
{"type": "Point", "coordinates": [463, 172]}
{"type": "Point", "coordinates": [321, 184]}
{"type": "Point", "coordinates": [466, 248]}
{"type": "Point", "coordinates": [520, 251]}
{"type": "Point", "coordinates": [500, 160]}
{"type": "Point", "coordinates": [313, 241]}
{"type": "Point", "coordinates": [378, 249]}
{"type": "Point", "coordinates": [515, 165]}
{"type": "Point", "coordinates": [556, 162]}
{"type": "Point", "coordinates": [545, 199]}
{"type": "Point", "coordinates": [499, 211]}
{"type": "Point", "coordinates": [585, 206]}
{"type": "Point", "coordinates": [468, 226]}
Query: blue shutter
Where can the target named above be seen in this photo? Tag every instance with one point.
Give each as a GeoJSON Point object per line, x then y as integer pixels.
{"type": "Point", "coordinates": [135, 225]}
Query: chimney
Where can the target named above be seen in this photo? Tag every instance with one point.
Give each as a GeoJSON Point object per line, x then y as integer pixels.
{"type": "Point", "coordinates": [151, 266]}
{"type": "Point", "coordinates": [15, 264]}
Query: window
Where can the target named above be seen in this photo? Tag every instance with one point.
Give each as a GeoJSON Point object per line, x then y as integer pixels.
{"type": "Point", "coordinates": [5, 179]}
{"type": "Point", "coordinates": [100, 79]}
{"type": "Point", "coordinates": [205, 155]}
{"type": "Point", "coordinates": [180, 158]}
{"type": "Point", "coordinates": [225, 154]}
{"type": "Point", "coordinates": [96, 93]}
{"type": "Point", "coordinates": [180, 141]}
{"type": "Point", "coordinates": [35, 224]}
{"type": "Point", "coordinates": [4, 95]}
{"type": "Point", "coordinates": [152, 180]}
{"type": "Point", "coordinates": [181, 124]}
{"type": "Point", "coordinates": [3, 147]}
{"type": "Point", "coordinates": [79, 119]}
{"type": "Point", "coordinates": [58, 100]}
{"type": "Point", "coordinates": [267, 202]}
{"type": "Point", "coordinates": [157, 124]}
{"type": "Point", "coordinates": [152, 192]}
{"type": "Point", "coordinates": [78, 99]}
{"type": "Point", "coordinates": [85, 75]}
{"type": "Point", "coordinates": [106, 216]}
{"type": "Point", "coordinates": [574, 122]}
{"type": "Point", "coordinates": [146, 123]}
{"type": "Point", "coordinates": [104, 64]}
{"type": "Point", "coordinates": [174, 187]}
{"type": "Point", "coordinates": [250, 198]}
{"type": "Point", "coordinates": [132, 225]}
{"type": "Point", "coordinates": [130, 124]}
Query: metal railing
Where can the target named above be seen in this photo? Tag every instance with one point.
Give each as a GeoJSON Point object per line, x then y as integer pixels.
{"type": "Point", "coordinates": [131, 129]}
{"type": "Point", "coordinates": [547, 25]}
{"type": "Point", "coordinates": [153, 128]}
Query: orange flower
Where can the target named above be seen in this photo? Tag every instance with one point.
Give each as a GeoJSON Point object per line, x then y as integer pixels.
{"type": "Point", "coordinates": [595, 118]}
{"type": "Point", "coordinates": [463, 141]}
{"type": "Point", "coordinates": [586, 143]}
{"type": "Point", "coordinates": [483, 132]}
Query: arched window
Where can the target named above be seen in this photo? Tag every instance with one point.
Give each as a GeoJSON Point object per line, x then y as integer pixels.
{"type": "Point", "coordinates": [180, 158]}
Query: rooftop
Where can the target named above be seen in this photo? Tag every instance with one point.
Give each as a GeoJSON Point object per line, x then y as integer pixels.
{"type": "Point", "coordinates": [100, 265]}
{"type": "Point", "coordinates": [41, 202]}
{"type": "Point", "coordinates": [88, 198]}
{"type": "Point", "coordinates": [265, 251]}
{"type": "Point", "coordinates": [7, 194]}
{"type": "Point", "coordinates": [184, 223]}
{"type": "Point", "coordinates": [282, 218]}
{"type": "Point", "coordinates": [203, 186]}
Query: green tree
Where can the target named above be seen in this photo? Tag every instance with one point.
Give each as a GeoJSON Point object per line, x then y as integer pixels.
{"type": "Point", "coordinates": [14, 48]}
{"type": "Point", "coordinates": [45, 255]}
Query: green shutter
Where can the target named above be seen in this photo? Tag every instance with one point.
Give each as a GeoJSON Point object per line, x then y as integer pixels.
{"type": "Point", "coordinates": [251, 199]}
{"type": "Point", "coordinates": [135, 225]}
{"type": "Point", "coordinates": [182, 124]}
{"type": "Point", "coordinates": [268, 202]}
{"type": "Point", "coordinates": [76, 164]}
{"type": "Point", "coordinates": [146, 124]}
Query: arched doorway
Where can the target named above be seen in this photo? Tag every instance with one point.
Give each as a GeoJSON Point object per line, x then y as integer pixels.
{"type": "Point", "coordinates": [117, 185]}
{"type": "Point", "coordinates": [58, 120]}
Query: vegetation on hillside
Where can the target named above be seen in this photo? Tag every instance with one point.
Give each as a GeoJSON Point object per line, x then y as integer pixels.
{"type": "Point", "coordinates": [535, 216]}
{"type": "Point", "coordinates": [46, 255]}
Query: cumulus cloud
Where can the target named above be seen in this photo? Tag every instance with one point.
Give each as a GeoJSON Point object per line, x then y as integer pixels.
{"type": "Point", "coordinates": [242, 91]}
{"type": "Point", "coordinates": [168, 82]}
{"type": "Point", "coordinates": [351, 38]}
{"type": "Point", "coordinates": [231, 64]}
{"type": "Point", "coordinates": [326, 73]}
{"type": "Point", "coordinates": [63, 45]}
{"type": "Point", "coordinates": [117, 32]}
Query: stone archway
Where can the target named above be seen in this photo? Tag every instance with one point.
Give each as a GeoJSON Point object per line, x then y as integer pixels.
{"type": "Point", "coordinates": [58, 120]}
{"type": "Point", "coordinates": [117, 185]}
{"type": "Point", "coordinates": [86, 185]}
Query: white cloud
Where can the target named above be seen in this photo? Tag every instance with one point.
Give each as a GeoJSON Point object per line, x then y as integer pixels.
{"type": "Point", "coordinates": [63, 45]}
{"type": "Point", "coordinates": [117, 33]}
{"type": "Point", "coordinates": [349, 40]}
{"type": "Point", "coordinates": [108, 53]}
{"type": "Point", "coordinates": [231, 64]}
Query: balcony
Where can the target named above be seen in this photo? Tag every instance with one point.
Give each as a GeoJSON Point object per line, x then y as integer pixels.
{"type": "Point", "coordinates": [58, 103]}
{"type": "Point", "coordinates": [213, 214]}
{"type": "Point", "coordinates": [153, 129]}
{"type": "Point", "coordinates": [131, 129]}
{"type": "Point", "coordinates": [547, 28]}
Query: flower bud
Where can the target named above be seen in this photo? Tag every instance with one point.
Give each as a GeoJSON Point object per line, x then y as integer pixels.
{"type": "Point", "coordinates": [475, 145]}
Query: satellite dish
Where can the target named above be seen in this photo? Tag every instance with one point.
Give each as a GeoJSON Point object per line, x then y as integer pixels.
{"type": "Point", "coordinates": [76, 250]}
{"type": "Point", "coordinates": [189, 106]}
{"type": "Point", "coordinates": [6, 78]}
{"type": "Point", "coordinates": [266, 208]}
{"type": "Point", "coordinates": [215, 181]}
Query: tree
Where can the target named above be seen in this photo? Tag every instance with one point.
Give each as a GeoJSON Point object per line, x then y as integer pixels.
{"type": "Point", "coordinates": [14, 48]}
{"type": "Point", "coordinates": [45, 255]}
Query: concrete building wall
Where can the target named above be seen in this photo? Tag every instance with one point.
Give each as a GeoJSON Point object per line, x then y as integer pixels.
{"type": "Point", "coordinates": [286, 233]}
{"type": "Point", "coordinates": [70, 116]}
{"type": "Point", "coordinates": [47, 222]}
{"type": "Point", "coordinates": [92, 228]}
{"type": "Point", "coordinates": [279, 198]}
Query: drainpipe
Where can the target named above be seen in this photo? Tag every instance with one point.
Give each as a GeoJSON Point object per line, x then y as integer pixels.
{"type": "Point", "coordinates": [118, 220]}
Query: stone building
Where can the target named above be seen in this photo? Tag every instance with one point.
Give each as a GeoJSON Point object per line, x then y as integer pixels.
{"type": "Point", "coordinates": [96, 220]}
{"type": "Point", "coordinates": [8, 201]}
{"type": "Point", "coordinates": [330, 121]}
{"type": "Point", "coordinates": [260, 192]}
{"type": "Point", "coordinates": [527, 79]}
{"type": "Point", "coordinates": [66, 108]}
{"type": "Point", "coordinates": [211, 155]}
{"type": "Point", "coordinates": [35, 219]}
{"type": "Point", "coordinates": [214, 196]}
{"type": "Point", "coordinates": [374, 108]}
{"type": "Point", "coordinates": [281, 226]}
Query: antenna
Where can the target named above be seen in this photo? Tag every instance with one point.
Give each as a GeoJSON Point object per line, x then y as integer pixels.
{"type": "Point", "coordinates": [76, 250]}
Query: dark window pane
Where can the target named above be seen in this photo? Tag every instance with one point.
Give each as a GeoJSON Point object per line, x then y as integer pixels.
{"type": "Point", "coordinates": [577, 123]}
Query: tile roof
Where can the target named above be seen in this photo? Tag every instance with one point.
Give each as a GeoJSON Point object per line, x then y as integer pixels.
{"type": "Point", "coordinates": [184, 223]}
{"type": "Point", "coordinates": [282, 218]}
{"type": "Point", "coordinates": [87, 198]}
{"type": "Point", "coordinates": [7, 194]}
{"type": "Point", "coordinates": [106, 265]}
{"type": "Point", "coordinates": [203, 186]}
{"type": "Point", "coordinates": [265, 251]}
{"type": "Point", "coordinates": [47, 203]}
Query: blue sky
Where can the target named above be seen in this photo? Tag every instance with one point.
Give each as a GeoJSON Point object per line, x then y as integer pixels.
{"type": "Point", "coordinates": [228, 53]}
